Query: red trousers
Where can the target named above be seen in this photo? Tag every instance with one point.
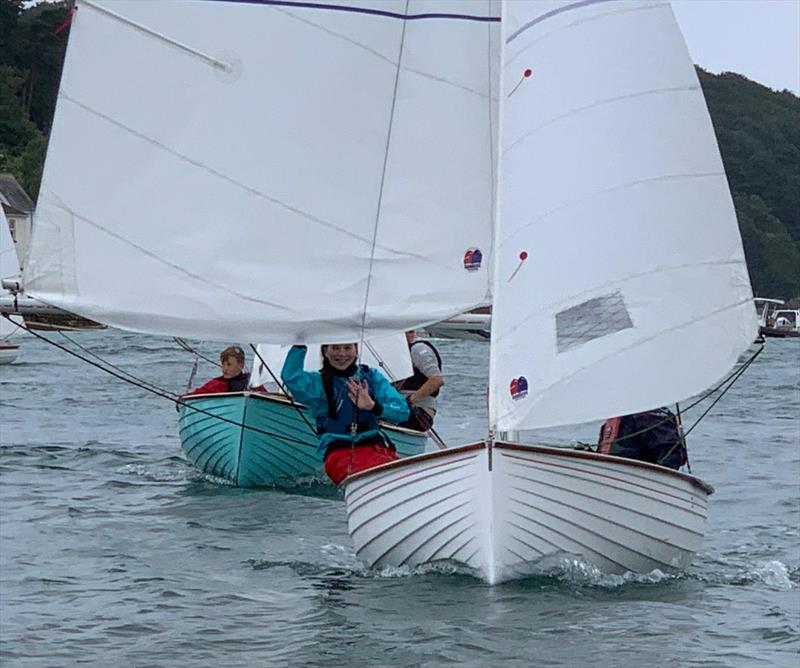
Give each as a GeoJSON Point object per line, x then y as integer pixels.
{"type": "Point", "coordinates": [342, 462]}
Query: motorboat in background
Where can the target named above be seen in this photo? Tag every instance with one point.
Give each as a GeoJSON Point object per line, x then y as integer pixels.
{"type": "Point", "coordinates": [776, 322]}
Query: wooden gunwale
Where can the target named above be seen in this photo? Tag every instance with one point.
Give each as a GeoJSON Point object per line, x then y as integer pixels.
{"type": "Point", "coordinates": [556, 452]}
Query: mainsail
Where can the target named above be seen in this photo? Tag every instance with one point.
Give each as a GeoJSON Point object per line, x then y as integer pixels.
{"type": "Point", "coordinates": [620, 282]}
{"type": "Point", "coordinates": [271, 172]}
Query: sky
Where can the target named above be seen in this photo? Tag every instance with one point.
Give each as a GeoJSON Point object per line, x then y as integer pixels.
{"type": "Point", "coordinates": [757, 38]}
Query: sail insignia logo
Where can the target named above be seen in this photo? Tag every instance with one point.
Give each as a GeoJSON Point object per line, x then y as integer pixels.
{"type": "Point", "coordinates": [519, 388]}
{"type": "Point", "coordinates": [472, 259]}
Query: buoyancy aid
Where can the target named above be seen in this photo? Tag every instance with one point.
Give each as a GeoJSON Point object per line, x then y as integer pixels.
{"type": "Point", "coordinates": [652, 436]}
{"type": "Point", "coordinates": [608, 434]}
{"type": "Point", "coordinates": [419, 379]}
{"type": "Point", "coordinates": [346, 411]}
{"type": "Point", "coordinates": [220, 385]}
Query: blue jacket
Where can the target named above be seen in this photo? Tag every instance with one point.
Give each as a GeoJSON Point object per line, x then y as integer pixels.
{"type": "Point", "coordinates": [306, 387]}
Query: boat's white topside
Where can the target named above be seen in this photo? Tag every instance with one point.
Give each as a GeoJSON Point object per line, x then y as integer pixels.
{"type": "Point", "coordinates": [500, 511]}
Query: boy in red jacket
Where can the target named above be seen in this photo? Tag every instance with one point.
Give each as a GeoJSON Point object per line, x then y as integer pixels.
{"type": "Point", "coordinates": [233, 378]}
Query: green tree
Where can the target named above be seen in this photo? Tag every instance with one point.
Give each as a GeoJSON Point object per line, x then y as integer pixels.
{"type": "Point", "coordinates": [40, 56]}
{"type": "Point", "coordinates": [9, 14]}
{"type": "Point", "coordinates": [16, 129]}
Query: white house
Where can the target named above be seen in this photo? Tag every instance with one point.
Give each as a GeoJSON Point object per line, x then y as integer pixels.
{"type": "Point", "coordinates": [18, 208]}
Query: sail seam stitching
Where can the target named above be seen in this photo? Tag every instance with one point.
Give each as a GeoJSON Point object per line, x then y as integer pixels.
{"type": "Point", "coordinates": [637, 344]}
{"type": "Point", "coordinates": [599, 103]}
{"type": "Point", "coordinates": [554, 12]}
{"type": "Point", "coordinates": [598, 193]}
{"type": "Point", "coordinates": [243, 186]}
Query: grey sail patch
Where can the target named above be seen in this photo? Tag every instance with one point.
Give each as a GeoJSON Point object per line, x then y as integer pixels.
{"type": "Point", "coordinates": [592, 319]}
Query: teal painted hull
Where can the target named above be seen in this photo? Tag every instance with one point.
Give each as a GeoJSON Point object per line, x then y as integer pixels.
{"type": "Point", "coordinates": [255, 440]}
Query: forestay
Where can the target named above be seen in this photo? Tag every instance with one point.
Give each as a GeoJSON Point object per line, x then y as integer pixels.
{"type": "Point", "coordinates": [270, 172]}
{"type": "Point", "coordinates": [620, 282]}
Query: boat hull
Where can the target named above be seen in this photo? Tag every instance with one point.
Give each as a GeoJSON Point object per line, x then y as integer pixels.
{"type": "Point", "coordinates": [8, 352]}
{"type": "Point", "coordinates": [254, 440]}
{"type": "Point", "coordinates": [504, 511]}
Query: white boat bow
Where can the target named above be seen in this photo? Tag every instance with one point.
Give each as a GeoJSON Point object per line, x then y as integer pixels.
{"type": "Point", "coordinates": [501, 511]}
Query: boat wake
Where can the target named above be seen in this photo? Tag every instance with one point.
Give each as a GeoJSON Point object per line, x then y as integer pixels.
{"type": "Point", "coordinates": [773, 573]}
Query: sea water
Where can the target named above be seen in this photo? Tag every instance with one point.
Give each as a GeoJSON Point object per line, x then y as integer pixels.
{"type": "Point", "coordinates": [114, 551]}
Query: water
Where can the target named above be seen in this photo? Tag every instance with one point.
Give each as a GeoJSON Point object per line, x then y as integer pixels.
{"type": "Point", "coordinates": [114, 551]}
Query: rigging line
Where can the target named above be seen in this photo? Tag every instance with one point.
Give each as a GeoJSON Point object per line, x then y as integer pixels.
{"type": "Point", "coordinates": [682, 437]}
{"type": "Point", "coordinates": [383, 179]}
{"type": "Point", "coordinates": [729, 380]}
{"type": "Point", "coordinates": [114, 366]}
{"type": "Point", "coordinates": [733, 380]}
{"type": "Point", "coordinates": [370, 11]}
{"type": "Point", "coordinates": [434, 435]}
{"type": "Point", "coordinates": [736, 372]}
{"type": "Point", "coordinates": [190, 349]}
{"type": "Point", "coordinates": [162, 393]}
{"type": "Point", "coordinates": [284, 389]}
{"type": "Point", "coordinates": [493, 129]}
{"type": "Point", "coordinates": [380, 201]}
{"type": "Point", "coordinates": [225, 67]}
{"type": "Point", "coordinates": [640, 342]}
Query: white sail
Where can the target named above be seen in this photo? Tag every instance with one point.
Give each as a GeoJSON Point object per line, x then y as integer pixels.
{"type": "Point", "coordinates": [9, 268]}
{"type": "Point", "coordinates": [634, 291]}
{"type": "Point", "coordinates": [250, 171]}
{"type": "Point", "coordinates": [388, 353]}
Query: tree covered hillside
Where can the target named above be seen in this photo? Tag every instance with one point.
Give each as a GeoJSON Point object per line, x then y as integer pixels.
{"type": "Point", "coordinates": [759, 137]}
{"type": "Point", "coordinates": [758, 132]}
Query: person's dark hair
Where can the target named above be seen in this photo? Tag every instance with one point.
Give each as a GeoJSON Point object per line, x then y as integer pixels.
{"type": "Point", "coordinates": [327, 372]}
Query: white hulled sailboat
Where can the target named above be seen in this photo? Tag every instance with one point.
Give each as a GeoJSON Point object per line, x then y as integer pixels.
{"type": "Point", "coordinates": [284, 172]}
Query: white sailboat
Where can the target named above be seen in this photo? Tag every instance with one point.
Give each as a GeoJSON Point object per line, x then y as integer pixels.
{"type": "Point", "coordinates": [259, 172]}
{"type": "Point", "coordinates": [328, 172]}
{"type": "Point", "coordinates": [616, 246]}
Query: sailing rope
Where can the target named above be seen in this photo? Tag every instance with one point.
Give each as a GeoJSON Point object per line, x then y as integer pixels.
{"type": "Point", "coordinates": [190, 349]}
{"type": "Point", "coordinates": [354, 426]}
{"type": "Point", "coordinates": [153, 389]}
{"type": "Point", "coordinates": [431, 432]}
{"type": "Point", "coordinates": [283, 389]}
{"type": "Point", "coordinates": [722, 387]}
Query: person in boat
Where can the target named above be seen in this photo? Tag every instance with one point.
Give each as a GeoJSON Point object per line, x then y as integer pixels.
{"type": "Point", "coordinates": [421, 389]}
{"type": "Point", "coordinates": [654, 436]}
{"type": "Point", "coordinates": [233, 379]}
{"type": "Point", "coordinates": [347, 400]}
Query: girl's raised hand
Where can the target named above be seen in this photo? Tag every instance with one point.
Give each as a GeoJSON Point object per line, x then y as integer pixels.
{"type": "Point", "coordinates": [358, 390]}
